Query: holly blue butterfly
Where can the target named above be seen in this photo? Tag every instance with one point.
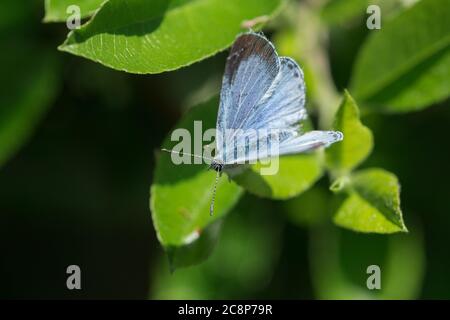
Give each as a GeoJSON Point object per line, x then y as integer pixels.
{"type": "Point", "coordinates": [261, 92]}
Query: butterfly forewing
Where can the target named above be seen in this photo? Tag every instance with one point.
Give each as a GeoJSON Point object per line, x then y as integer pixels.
{"type": "Point", "coordinates": [251, 68]}
{"type": "Point", "coordinates": [283, 105]}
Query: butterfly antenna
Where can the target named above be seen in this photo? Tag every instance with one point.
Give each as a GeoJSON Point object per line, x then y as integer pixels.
{"type": "Point", "coordinates": [183, 153]}
{"type": "Point", "coordinates": [211, 207]}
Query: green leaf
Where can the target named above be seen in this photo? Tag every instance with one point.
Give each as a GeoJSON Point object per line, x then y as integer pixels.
{"type": "Point", "coordinates": [25, 95]}
{"type": "Point", "coordinates": [197, 251]}
{"type": "Point", "coordinates": [181, 194]}
{"type": "Point", "coordinates": [405, 66]}
{"type": "Point", "coordinates": [161, 35]}
{"type": "Point", "coordinates": [344, 156]}
{"type": "Point", "coordinates": [56, 10]}
{"type": "Point", "coordinates": [340, 11]}
{"type": "Point", "coordinates": [373, 205]}
{"type": "Point", "coordinates": [344, 12]}
{"type": "Point", "coordinates": [296, 174]}
{"type": "Point", "coordinates": [241, 265]}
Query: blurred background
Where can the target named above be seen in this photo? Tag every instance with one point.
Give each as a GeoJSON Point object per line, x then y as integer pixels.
{"type": "Point", "coordinates": [77, 143]}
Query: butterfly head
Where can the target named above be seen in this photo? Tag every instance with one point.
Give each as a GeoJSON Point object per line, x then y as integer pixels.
{"type": "Point", "coordinates": [216, 165]}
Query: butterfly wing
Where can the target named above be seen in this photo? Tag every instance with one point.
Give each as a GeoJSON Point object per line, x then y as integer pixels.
{"type": "Point", "coordinates": [262, 91]}
{"type": "Point", "coordinates": [251, 68]}
{"type": "Point", "coordinates": [283, 105]}
{"type": "Point", "coordinates": [309, 141]}
{"type": "Point", "coordinates": [284, 142]}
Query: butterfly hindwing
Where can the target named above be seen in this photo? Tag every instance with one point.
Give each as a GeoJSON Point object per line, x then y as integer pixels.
{"type": "Point", "coordinates": [308, 141]}
{"type": "Point", "coordinates": [283, 105]}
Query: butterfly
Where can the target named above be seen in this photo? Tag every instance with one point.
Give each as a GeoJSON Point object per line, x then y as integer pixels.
{"type": "Point", "coordinates": [261, 92]}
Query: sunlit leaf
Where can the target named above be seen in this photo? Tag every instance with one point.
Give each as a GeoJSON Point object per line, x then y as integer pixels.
{"type": "Point", "coordinates": [373, 205]}
{"type": "Point", "coordinates": [181, 194]}
{"type": "Point", "coordinates": [405, 66]}
{"type": "Point", "coordinates": [345, 155]}
{"type": "Point", "coordinates": [296, 174]}
{"type": "Point", "coordinates": [56, 10]}
{"type": "Point", "coordinates": [161, 35]}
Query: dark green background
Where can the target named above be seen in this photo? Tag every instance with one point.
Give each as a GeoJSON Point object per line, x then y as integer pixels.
{"type": "Point", "coordinates": [77, 192]}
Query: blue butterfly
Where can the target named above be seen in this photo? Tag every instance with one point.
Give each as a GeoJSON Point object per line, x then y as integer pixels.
{"type": "Point", "coordinates": [262, 92]}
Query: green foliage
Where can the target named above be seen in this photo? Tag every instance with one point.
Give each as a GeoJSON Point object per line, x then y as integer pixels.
{"type": "Point", "coordinates": [28, 82]}
{"type": "Point", "coordinates": [311, 208]}
{"type": "Point", "coordinates": [179, 216]}
{"type": "Point", "coordinates": [398, 68]}
{"type": "Point", "coordinates": [25, 98]}
{"type": "Point", "coordinates": [405, 66]}
{"type": "Point", "coordinates": [296, 174]}
{"type": "Point", "coordinates": [242, 262]}
{"type": "Point", "coordinates": [56, 10]}
{"type": "Point", "coordinates": [196, 251]}
{"type": "Point", "coordinates": [358, 140]}
{"type": "Point", "coordinates": [88, 162]}
{"type": "Point", "coordinates": [13, 14]}
{"type": "Point", "coordinates": [340, 11]}
{"type": "Point", "coordinates": [339, 260]}
{"type": "Point", "coordinates": [373, 204]}
{"type": "Point", "coordinates": [348, 12]}
{"type": "Point", "coordinates": [161, 35]}
{"type": "Point", "coordinates": [181, 194]}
